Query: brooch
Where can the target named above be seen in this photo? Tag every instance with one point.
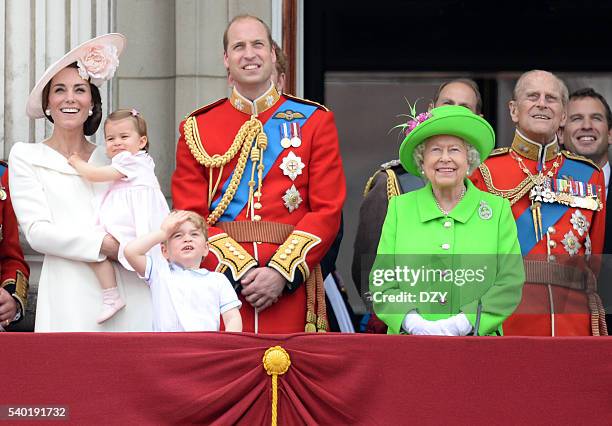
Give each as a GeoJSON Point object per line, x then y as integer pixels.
{"type": "Point", "coordinates": [484, 211]}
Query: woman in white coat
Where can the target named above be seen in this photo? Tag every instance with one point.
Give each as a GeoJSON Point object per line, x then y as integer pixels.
{"type": "Point", "coordinates": [56, 207]}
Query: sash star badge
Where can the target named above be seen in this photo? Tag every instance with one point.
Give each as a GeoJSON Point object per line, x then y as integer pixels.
{"type": "Point", "coordinates": [292, 198]}
{"type": "Point", "coordinates": [580, 222]}
{"type": "Point", "coordinates": [571, 243]}
{"type": "Point", "coordinates": [292, 166]}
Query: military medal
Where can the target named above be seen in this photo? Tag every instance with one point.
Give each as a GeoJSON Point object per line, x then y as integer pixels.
{"type": "Point", "coordinates": [285, 135]}
{"type": "Point", "coordinates": [484, 211]}
{"type": "Point", "coordinates": [296, 141]}
{"type": "Point", "coordinates": [292, 166]}
{"type": "Point", "coordinates": [2, 193]}
{"type": "Point", "coordinates": [292, 198]}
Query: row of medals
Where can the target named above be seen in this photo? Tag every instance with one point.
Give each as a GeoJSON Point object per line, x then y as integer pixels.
{"type": "Point", "coordinates": [542, 191]}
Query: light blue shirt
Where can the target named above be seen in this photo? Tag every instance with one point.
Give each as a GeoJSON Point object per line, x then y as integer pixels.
{"type": "Point", "coordinates": [187, 299]}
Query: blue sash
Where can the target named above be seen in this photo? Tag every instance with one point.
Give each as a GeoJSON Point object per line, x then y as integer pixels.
{"type": "Point", "coordinates": [551, 212]}
{"type": "Point", "coordinates": [271, 154]}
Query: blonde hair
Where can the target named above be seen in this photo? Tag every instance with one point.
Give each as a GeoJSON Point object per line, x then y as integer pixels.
{"type": "Point", "coordinates": [198, 221]}
{"type": "Point", "coordinates": [140, 125]}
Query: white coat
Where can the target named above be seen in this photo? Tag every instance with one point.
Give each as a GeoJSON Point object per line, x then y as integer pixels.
{"type": "Point", "coordinates": [56, 211]}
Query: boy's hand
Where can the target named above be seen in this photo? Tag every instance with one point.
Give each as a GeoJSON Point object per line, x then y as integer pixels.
{"type": "Point", "coordinates": [173, 221]}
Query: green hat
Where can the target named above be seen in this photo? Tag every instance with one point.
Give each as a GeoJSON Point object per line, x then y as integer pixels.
{"type": "Point", "coordinates": [447, 120]}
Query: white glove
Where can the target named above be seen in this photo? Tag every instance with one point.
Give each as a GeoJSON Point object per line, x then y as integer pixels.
{"type": "Point", "coordinates": [457, 325]}
{"type": "Point", "coordinates": [415, 324]}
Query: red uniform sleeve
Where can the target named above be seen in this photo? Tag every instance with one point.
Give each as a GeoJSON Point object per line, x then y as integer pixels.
{"type": "Point", "coordinates": [14, 269]}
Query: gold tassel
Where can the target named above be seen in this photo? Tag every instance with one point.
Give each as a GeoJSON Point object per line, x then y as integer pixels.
{"type": "Point", "coordinates": [276, 361]}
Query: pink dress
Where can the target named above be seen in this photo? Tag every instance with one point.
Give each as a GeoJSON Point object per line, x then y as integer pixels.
{"type": "Point", "coordinates": [133, 205]}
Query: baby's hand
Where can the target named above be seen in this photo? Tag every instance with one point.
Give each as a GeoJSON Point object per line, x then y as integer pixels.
{"type": "Point", "coordinates": [74, 159]}
{"type": "Point", "coordinates": [173, 221]}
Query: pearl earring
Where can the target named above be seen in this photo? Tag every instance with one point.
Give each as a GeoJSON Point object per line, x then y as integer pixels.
{"type": "Point", "coordinates": [90, 113]}
{"type": "Point", "coordinates": [422, 172]}
{"type": "Point", "coordinates": [48, 112]}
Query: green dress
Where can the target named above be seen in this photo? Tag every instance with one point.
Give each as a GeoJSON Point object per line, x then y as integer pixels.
{"type": "Point", "coordinates": [469, 261]}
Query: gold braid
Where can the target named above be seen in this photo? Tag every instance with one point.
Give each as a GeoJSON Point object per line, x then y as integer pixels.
{"type": "Point", "coordinates": [514, 194]}
{"type": "Point", "coordinates": [246, 135]}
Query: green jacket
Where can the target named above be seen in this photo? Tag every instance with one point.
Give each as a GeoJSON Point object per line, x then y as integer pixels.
{"type": "Point", "coordinates": [472, 256]}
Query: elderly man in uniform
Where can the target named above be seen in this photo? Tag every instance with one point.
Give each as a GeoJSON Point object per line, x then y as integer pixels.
{"type": "Point", "coordinates": [588, 132]}
{"type": "Point", "coordinates": [14, 271]}
{"type": "Point", "coordinates": [557, 201]}
{"type": "Point", "coordinates": [260, 166]}
{"type": "Point", "coordinates": [390, 180]}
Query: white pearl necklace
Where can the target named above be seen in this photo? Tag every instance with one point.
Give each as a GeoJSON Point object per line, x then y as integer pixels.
{"type": "Point", "coordinates": [444, 212]}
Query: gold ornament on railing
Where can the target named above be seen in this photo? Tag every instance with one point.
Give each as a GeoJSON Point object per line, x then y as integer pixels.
{"type": "Point", "coordinates": [276, 361]}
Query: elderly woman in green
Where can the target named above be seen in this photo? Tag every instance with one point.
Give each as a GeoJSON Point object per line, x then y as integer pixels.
{"type": "Point", "coordinates": [448, 261]}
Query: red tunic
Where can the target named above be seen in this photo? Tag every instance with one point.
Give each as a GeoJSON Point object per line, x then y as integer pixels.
{"type": "Point", "coordinates": [14, 271]}
{"type": "Point", "coordinates": [533, 316]}
{"type": "Point", "coordinates": [321, 186]}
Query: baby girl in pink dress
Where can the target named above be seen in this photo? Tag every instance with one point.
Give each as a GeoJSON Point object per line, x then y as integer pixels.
{"type": "Point", "coordinates": [133, 205]}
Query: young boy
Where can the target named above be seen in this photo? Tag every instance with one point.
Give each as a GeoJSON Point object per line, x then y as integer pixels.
{"type": "Point", "coordinates": [185, 297]}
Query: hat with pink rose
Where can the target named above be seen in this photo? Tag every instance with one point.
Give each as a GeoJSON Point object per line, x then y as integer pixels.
{"type": "Point", "coordinates": [96, 59]}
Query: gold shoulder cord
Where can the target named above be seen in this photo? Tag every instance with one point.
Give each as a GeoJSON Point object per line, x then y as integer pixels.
{"type": "Point", "coordinates": [514, 194]}
{"type": "Point", "coordinates": [392, 184]}
{"type": "Point", "coordinates": [393, 187]}
{"type": "Point", "coordinates": [247, 133]}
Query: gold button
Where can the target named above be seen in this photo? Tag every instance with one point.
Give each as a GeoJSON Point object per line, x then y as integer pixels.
{"type": "Point", "coordinates": [241, 257]}
{"type": "Point", "coordinates": [294, 241]}
{"type": "Point", "coordinates": [445, 246]}
{"type": "Point", "coordinates": [283, 256]}
{"type": "Point", "coordinates": [291, 246]}
{"type": "Point", "coordinates": [551, 229]}
{"type": "Point", "coordinates": [256, 218]}
{"type": "Point", "coordinates": [257, 206]}
{"type": "Point", "coordinates": [447, 224]}
{"type": "Point", "coordinates": [288, 251]}
{"type": "Point", "coordinates": [228, 245]}
{"type": "Point", "coordinates": [552, 244]}
{"type": "Point", "coordinates": [551, 258]}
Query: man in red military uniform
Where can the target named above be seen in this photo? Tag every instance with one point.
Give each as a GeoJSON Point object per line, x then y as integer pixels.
{"type": "Point", "coordinates": [14, 271]}
{"type": "Point", "coordinates": [265, 171]}
{"type": "Point", "coordinates": [557, 201]}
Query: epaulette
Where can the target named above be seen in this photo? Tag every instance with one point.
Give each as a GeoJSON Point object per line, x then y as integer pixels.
{"type": "Point", "coordinates": [390, 164]}
{"type": "Point", "coordinates": [206, 107]}
{"type": "Point", "coordinates": [572, 156]}
{"type": "Point", "coordinates": [499, 151]}
{"type": "Point", "coordinates": [305, 101]}
{"type": "Point", "coordinates": [392, 183]}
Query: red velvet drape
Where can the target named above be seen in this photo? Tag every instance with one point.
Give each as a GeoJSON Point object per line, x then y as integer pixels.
{"type": "Point", "coordinates": [333, 379]}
